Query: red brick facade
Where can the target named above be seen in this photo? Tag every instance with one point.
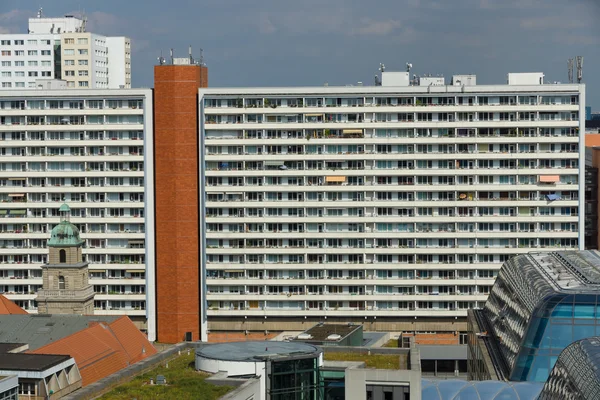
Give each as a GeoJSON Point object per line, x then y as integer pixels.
{"type": "Point", "coordinates": [176, 196]}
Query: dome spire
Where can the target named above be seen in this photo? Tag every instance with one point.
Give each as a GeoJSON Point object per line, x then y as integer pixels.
{"type": "Point", "coordinates": [65, 212]}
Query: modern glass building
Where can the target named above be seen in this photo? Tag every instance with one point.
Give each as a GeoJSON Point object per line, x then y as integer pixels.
{"type": "Point", "coordinates": [575, 374]}
{"type": "Point", "coordinates": [453, 389]}
{"type": "Point", "coordinates": [539, 305]}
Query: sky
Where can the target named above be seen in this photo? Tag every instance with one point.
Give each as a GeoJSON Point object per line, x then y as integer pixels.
{"type": "Point", "coordinates": [340, 42]}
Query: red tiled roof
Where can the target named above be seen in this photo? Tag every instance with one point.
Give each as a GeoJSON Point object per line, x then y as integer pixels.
{"type": "Point", "coordinates": [8, 307]}
{"type": "Point", "coordinates": [103, 349]}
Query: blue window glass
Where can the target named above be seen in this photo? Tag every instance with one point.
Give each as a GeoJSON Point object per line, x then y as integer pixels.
{"type": "Point", "coordinates": [583, 331]}
{"type": "Point", "coordinates": [561, 335]}
{"type": "Point", "coordinates": [563, 311]}
{"type": "Point", "coordinates": [540, 369]}
{"type": "Point", "coordinates": [584, 311]}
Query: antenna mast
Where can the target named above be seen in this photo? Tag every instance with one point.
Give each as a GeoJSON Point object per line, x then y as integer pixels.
{"type": "Point", "coordinates": [172, 60]}
{"type": "Point", "coordinates": [579, 60]}
{"type": "Point", "coordinates": [570, 68]}
{"type": "Point", "coordinates": [190, 55]}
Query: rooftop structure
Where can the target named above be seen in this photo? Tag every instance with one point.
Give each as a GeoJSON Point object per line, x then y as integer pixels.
{"type": "Point", "coordinates": [9, 387]}
{"type": "Point", "coordinates": [473, 390]}
{"type": "Point", "coordinates": [7, 307]}
{"type": "Point", "coordinates": [333, 335]}
{"type": "Point", "coordinates": [281, 368]}
{"type": "Point", "coordinates": [30, 362]}
{"type": "Point", "coordinates": [540, 303]}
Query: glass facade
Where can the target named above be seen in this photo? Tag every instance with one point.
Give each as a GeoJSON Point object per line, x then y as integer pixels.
{"type": "Point", "coordinates": [539, 305]}
{"type": "Point", "coordinates": [490, 390]}
{"type": "Point", "coordinates": [297, 379]}
{"type": "Point", "coordinates": [575, 374]}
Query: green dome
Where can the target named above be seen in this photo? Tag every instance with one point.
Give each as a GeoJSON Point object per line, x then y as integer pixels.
{"type": "Point", "coordinates": [65, 234]}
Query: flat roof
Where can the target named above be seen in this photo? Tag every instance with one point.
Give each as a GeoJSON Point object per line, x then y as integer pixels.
{"type": "Point", "coordinates": [30, 362]}
{"type": "Point", "coordinates": [8, 347]}
{"type": "Point", "coordinates": [321, 332]}
{"type": "Point", "coordinates": [257, 351]}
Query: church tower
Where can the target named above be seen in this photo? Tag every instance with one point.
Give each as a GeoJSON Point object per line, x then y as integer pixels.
{"type": "Point", "coordinates": [66, 289]}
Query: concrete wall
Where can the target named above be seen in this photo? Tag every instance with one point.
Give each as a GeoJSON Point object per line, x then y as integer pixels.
{"type": "Point", "coordinates": [357, 379]}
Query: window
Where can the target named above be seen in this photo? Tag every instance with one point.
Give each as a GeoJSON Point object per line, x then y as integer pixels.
{"type": "Point", "coordinates": [32, 63]}
{"type": "Point", "coordinates": [20, 84]}
{"type": "Point", "coordinates": [32, 42]}
{"type": "Point", "coordinates": [19, 42]}
{"type": "Point", "coordinates": [19, 52]}
{"type": "Point", "coordinates": [83, 62]}
{"type": "Point", "coordinates": [61, 279]}
{"type": "Point", "coordinates": [6, 52]}
{"type": "Point", "coordinates": [5, 42]}
{"type": "Point", "coordinates": [69, 62]}
{"type": "Point", "coordinates": [46, 73]}
{"type": "Point", "coordinates": [20, 73]}
{"type": "Point", "coordinates": [83, 84]}
{"type": "Point", "coordinates": [69, 41]}
{"type": "Point", "coordinates": [69, 52]}
{"type": "Point", "coordinates": [6, 84]}
{"type": "Point", "coordinates": [19, 63]}
{"type": "Point", "coordinates": [83, 73]}
{"type": "Point", "coordinates": [6, 74]}
{"type": "Point", "coordinates": [46, 63]}
{"type": "Point", "coordinates": [6, 63]}
{"type": "Point", "coordinates": [69, 73]}
{"type": "Point", "coordinates": [83, 52]}
{"type": "Point", "coordinates": [33, 73]}
{"type": "Point", "coordinates": [32, 52]}
{"type": "Point", "coordinates": [46, 53]}
{"type": "Point", "coordinates": [82, 41]}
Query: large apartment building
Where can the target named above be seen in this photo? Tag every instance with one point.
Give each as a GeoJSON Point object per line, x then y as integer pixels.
{"type": "Point", "coordinates": [61, 49]}
{"type": "Point", "coordinates": [92, 149]}
{"type": "Point", "coordinates": [391, 205]}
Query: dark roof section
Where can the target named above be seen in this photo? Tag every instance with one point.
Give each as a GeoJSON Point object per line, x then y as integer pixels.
{"type": "Point", "coordinates": [257, 351]}
{"type": "Point", "coordinates": [321, 332]}
{"type": "Point", "coordinates": [8, 347]}
{"type": "Point", "coordinates": [30, 362]}
{"type": "Point", "coordinates": [592, 123]}
{"type": "Point", "coordinates": [38, 330]}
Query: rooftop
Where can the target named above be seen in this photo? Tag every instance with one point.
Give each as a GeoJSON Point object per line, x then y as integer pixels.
{"type": "Point", "coordinates": [569, 270]}
{"type": "Point", "coordinates": [328, 332]}
{"type": "Point", "coordinates": [10, 347]}
{"type": "Point", "coordinates": [30, 362]}
{"type": "Point", "coordinates": [7, 307]}
{"type": "Point", "coordinates": [257, 351]}
{"type": "Point", "coordinates": [38, 330]}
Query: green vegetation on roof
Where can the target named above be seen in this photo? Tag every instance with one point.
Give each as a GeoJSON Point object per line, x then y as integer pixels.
{"type": "Point", "coordinates": [183, 382]}
{"type": "Point", "coordinates": [378, 361]}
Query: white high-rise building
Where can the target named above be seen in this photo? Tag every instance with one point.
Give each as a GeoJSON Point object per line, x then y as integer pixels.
{"type": "Point", "coordinates": [93, 150]}
{"type": "Point", "coordinates": [393, 205]}
{"type": "Point", "coordinates": [61, 49]}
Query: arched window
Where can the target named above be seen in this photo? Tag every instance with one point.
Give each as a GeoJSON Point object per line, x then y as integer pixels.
{"type": "Point", "coordinates": [62, 256]}
{"type": "Point", "coordinates": [61, 281]}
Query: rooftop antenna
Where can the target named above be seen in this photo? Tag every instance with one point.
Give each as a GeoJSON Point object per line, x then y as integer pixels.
{"type": "Point", "coordinates": [40, 12]}
{"type": "Point", "coordinates": [408, 67]}
{"type": "Point", "coordinates": [172, 62]}
{"type": "Point", "coordinates": [579, 60]}
{"type": "Point", "coordinates": [381, 67]}
{"type": "Point", "coordinates": [190, 55]}
{"type": "Point", "coordinates": [570, 68]}
{"type": "Point", "coordinates": [161, 59]}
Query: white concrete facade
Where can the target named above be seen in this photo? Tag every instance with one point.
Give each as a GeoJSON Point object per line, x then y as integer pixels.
{"type": "Point", "coordinates": [382, 201]}
{"type": "Point", "coordinates": [69, 53]}
{"type": "Point", "coordinates": [92, 149]}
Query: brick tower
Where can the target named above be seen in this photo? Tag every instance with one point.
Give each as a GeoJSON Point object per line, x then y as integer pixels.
{"type": "Point", "coordinates": [178, 214]}
{"type": "Point", "coordinates": [66, 289]}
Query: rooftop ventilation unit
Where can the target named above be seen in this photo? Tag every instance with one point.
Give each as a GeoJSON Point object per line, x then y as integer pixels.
{"type": "Point", "coordinates": [334, 336]}
{"type": "Point", "coordinates": [304, 336]}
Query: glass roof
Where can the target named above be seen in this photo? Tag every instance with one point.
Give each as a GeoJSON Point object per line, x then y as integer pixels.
{"type": "Point", "coordinates": [454, 389]}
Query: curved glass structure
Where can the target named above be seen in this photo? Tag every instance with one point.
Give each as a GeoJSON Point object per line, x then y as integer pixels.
{"type": "Point", "coordinates": [478, 390]}
{"type": "Point", "coordinates": [541, 303]}
{"type": "Point", "coordinates": [576, 373]}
